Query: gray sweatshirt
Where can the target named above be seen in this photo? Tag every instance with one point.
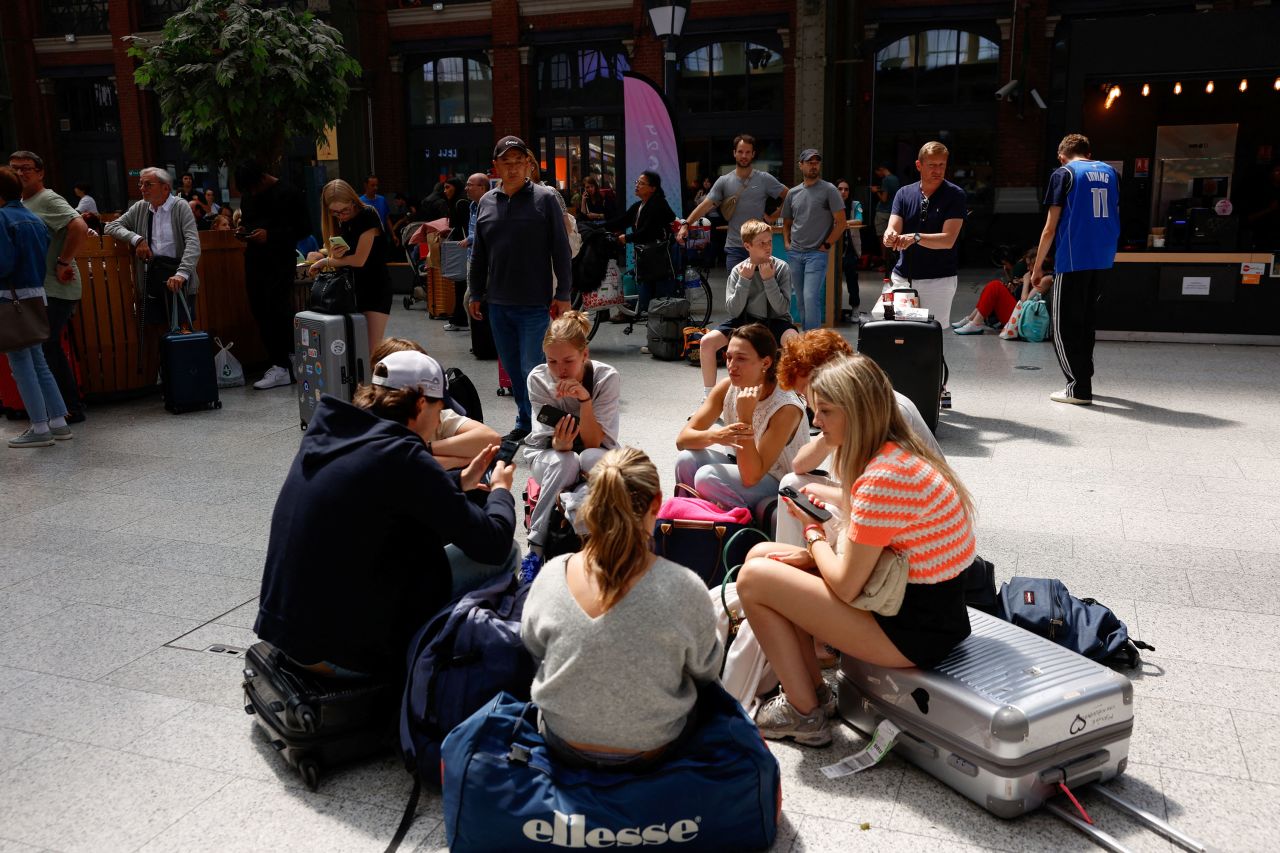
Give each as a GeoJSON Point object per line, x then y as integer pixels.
{"type": "Point", "coordinates": [626, 679]}
{"type": "Point", "coordinates": [606, 394]}
{"type": "Point", "coordinates": [759, 299]}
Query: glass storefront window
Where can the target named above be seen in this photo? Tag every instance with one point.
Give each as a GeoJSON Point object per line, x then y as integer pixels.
{"type": "Point", "coordinates": [480, 82]}
{"type": "Point", "coordinates": [730, 77]}
{"type": "Point", "coordinates": [938, 67]}
{"type": "Point", "coordinates": [451, 90]}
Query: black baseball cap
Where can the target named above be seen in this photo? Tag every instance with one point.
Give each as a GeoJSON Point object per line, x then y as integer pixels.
{"type": "Point", "coordinates": [506, 143]}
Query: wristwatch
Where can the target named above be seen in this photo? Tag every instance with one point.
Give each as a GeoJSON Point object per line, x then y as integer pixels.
{"type": "Point", "coordinates": [813, 534]}
{"type": "Point", "coordinates": [918, 237]}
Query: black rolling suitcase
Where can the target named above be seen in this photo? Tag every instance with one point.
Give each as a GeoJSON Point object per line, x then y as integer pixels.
{"type": "Point", "coordinates": [482, 346]}
{"type": "Point", "coordinates": [187, 375]}
{"type": "Point", "coordinates": [910, 351]}
{"type": "Point", "coordinates": [318, 723]}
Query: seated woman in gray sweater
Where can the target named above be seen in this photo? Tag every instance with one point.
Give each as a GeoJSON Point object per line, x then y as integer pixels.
{"type": "Point", "coordinates": [584, 395]}
{"type": "Point", "coordinates": [758, 290]}
{"type": "Point", "coordinates": [622, 636]}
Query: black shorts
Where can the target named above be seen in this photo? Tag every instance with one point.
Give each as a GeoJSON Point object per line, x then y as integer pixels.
{"type": "Point", "coordinates": [777, 325]}
{"type": "Point", "coordinates": [932, 621]}
{"type": "Point", "coordinates": [375, 296]}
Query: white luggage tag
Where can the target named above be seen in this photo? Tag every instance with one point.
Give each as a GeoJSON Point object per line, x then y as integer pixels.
{"type": "Point", "coordinates": [882, 740]}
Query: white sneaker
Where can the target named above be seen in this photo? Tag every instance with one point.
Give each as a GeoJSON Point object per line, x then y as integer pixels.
{"type": "Point", "coordinates": [273, 378]}
{"type": "Point", "coordinates": [1063, 397]}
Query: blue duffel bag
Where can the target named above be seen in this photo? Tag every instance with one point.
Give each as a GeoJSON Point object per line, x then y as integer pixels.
{"type": "Point", "coordinates": [503, 791]}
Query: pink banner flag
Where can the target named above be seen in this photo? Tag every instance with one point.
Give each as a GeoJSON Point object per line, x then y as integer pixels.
{"type": "Point", "coordinates": [651, 138]}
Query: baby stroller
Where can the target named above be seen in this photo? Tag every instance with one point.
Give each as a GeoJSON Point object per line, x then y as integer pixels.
{"type": "Point", "coordinates": [417, 250]}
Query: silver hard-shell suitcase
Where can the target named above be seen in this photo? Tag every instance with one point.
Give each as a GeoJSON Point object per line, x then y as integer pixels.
{"type": "Point", "coordinates": [330, 356]}
{"type": "Point", "coordinates": [1003, 719]}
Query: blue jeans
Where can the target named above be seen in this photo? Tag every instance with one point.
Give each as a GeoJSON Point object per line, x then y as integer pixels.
{"type": "Point", "coordinates": [719, 481]}
{"type": "Point", "coordinates": [809, 273]}
{"type": "Point", "coordinates": [39, 390]}
{"type": "Point", "coordinates": [734, 255]}
{"type": "Point", "coordinates": [517, 335]}
{"type": "Point", "coordinates": [469, 574]}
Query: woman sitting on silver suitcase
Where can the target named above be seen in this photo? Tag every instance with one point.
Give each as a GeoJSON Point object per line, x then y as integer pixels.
{"type": "Point", "coordinates": [902, 496]}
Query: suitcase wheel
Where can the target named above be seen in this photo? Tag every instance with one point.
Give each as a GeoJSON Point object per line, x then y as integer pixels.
{"type": "Point", "coordinates": [217, 404]}
{"type": "Point", "coordinates": [310, 773]}
{"type": "Point", "coordinates": [408, 302]}
{"type": "Point", "coordinates": [307, 718]}
{"type": "Point", "coordinates": [504, 392]}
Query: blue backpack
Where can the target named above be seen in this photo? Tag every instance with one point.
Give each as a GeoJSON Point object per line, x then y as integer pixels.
{"type": "Point", "coordinates": [721, 790]}
{"type": "Point", "coordinates": [1034, 324]}
{"type": "Point", "coordinates": [1045, 607]}
{"type": "Point", "coordinates": [469, 652]}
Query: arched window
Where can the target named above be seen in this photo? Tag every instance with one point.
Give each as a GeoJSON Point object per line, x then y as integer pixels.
{"type": "Point", "coordinates": [451, 90]}
{"type": "Point", "coordinates": [731, 76]}
{"type": "Point", "coordinates": [579, 78]}
{"type": "Point", "coordinates": [938, 67]}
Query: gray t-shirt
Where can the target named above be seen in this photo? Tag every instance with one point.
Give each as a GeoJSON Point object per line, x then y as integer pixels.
{"type": "Point", "coordinates": [811, 209]}
{"type": "Point", "coordinates": [626, 679]}
{"type": "Point", "coordinates": [57, 215]}
{"type": "Point", "coordinates": [754, 191]}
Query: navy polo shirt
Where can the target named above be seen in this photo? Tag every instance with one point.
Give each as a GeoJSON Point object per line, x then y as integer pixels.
{"type": "Point", "coordinates": [947, 202]}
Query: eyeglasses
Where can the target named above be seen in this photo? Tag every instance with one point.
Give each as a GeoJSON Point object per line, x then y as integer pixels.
{"type": "Point", "coordinates": [142, 185]}
{"type": "Point", "coordinates": [340, 211]}
{"type": "Point", "coordinates": [23, 169]}
{"type": "Point", "coordinates": [924, 207]}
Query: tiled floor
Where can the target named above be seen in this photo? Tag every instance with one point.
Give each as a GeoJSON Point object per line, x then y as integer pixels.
{"type": "Point", "coordinates": [126, 553]}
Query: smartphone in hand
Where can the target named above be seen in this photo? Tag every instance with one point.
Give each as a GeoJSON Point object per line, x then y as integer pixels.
{"type": "Point", "coordinates": [550, 415]}
{"type": "Point", "coordinates": [338, 241]}
{"type": "Point", "coordinates": [506, 454]}
{"type": "Point", "coordinates": [805, 505]}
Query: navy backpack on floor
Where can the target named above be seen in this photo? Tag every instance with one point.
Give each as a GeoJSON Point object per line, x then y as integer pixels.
{"type": "Point", "coordinates": [721, 790]}
{"type": "Point", "coordinates": [1045, 607]}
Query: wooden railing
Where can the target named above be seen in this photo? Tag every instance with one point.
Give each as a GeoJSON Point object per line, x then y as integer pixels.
{"type": "Point", "coordinates": [115, 357]}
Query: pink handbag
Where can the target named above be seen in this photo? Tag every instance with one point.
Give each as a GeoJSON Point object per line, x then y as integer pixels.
{"type": "Point", "coordinates": [699, 509]}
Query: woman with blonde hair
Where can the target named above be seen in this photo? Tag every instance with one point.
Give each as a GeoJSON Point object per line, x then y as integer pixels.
{"type": "Point", "coordinates": [898, 494]}
{"type": "Point", "coordinates": [585, 396]}
{"type": "Point", "coordinates": [623, 636]}
{"type": "Point", "coordinates": [363, 250]}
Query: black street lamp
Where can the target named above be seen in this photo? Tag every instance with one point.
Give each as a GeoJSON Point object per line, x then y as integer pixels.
{"type": "Point", "coordinates": [667, 17]}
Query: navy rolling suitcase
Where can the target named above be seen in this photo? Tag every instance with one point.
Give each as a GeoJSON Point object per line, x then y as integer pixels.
{"type": "Point", "coordinates": [910, 351]}
{"type": "Point", "coordinates": [187, 374]}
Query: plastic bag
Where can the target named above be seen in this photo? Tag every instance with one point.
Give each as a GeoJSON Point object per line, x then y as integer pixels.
{"type": "Point", "coordinates": [227, 367]}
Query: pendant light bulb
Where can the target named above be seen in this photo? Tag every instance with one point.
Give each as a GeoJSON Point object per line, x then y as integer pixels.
{"type": "Point", "coordinates": [1177, 88]}
{"type": "Point", "coordinates": [1208, 88]}
{"type": "Point", "coordinates": [1244, 84]}
{"type": "Point", "coordinates": [1146, 89]}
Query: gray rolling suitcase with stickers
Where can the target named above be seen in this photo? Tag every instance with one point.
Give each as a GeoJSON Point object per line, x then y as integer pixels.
{"type": "Point", "coordinates": [330, 356]}
{"type": "Point", "coordinates": [1003, 719]}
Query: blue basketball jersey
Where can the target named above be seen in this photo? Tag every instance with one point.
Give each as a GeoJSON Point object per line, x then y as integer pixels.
{"type": "Point", "coordinates": [1089, 227]}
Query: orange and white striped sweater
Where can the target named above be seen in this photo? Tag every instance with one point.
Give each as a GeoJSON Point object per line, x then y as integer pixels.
{"type": "Point", "coordinates": [901, 501]}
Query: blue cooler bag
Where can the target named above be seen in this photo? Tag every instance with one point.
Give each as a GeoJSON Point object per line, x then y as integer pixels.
{"type": "Point", "coordinates": [504, 791]}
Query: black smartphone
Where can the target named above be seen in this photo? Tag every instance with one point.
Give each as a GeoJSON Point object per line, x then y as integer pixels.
{"type": "Point", "coordinates": [805, 505]}
{"type": "Point", "coordinates": [506, 454]}
{"type": "Point", "coordinates": [551, 416]}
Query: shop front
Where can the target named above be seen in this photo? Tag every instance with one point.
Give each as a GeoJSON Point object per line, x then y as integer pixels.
{"type": "Point", "coordinates": [1192, 124]}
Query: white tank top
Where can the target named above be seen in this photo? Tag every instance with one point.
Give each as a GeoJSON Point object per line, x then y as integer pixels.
{"type": "Point", "coordinates": [765, 410]}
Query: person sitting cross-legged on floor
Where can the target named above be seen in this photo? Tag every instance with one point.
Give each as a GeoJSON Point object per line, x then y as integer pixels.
{"type": "Point", "coordinates": [761, 429]}
{"type": "Point", "coordinates": [900, 495]}
{"type": "Point", "coordinates": [588, 393]}
{"type": "Point", "coordinates": [457, 439]}
{"type": "Point", "coordinates": [758, 290]}
{"type": "Point", "coordinates": [623, 636]}
{"type": "Point", "coordinates": [370, 536]}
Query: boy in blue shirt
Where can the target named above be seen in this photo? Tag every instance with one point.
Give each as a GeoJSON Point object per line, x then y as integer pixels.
{"type": "Point", "coordinates": [1083, 227]}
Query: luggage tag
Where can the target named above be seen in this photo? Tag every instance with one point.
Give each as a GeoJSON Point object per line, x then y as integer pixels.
{"type": "Point", "coordinates": [882, 740]}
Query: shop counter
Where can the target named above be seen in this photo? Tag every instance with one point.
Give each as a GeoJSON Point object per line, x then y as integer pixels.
{"type": "Point", "coordinates": [1190, 297]}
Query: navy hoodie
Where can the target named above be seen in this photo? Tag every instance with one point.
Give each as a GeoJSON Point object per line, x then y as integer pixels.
{"type": "Point", "coordinates": [356, 562]}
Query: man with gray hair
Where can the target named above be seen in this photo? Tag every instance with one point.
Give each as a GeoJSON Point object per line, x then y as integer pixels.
{"type": "Point", "coordinates": [162, 232]}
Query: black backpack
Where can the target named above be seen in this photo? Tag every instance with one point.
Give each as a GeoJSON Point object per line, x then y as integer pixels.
{"type": "Point", "coordinates": [463, 391]}
{"type": "Point", "coordinates": [667, 319]}
{"type": "Point", "coordinates": [592, 261]}
{"type": "Point", "coordinates": [1044, 606]}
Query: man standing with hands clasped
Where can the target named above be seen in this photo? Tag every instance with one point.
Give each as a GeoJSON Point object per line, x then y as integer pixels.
{"type": "Point", "coordinates": [518, 241]}
{"type": "Point", "coordinates": [1083, 226]}
{"type": "Point", "coordinates": [812, 220]}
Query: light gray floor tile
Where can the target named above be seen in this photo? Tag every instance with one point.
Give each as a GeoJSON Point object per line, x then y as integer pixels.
{"type": "Point", "coordinates": [85, 711]}
{"type": "Point", "coordinates": [1181, 735]}
{"type": "Point", "coordinates": [18, 564]}
{"type": "Point", "coordinates": [1212, 685]}
{"type": "Point", "coordinates": [208, 528]}
{"type": "Point", "coordinates": [197, 676]}
{"type": "Point", "coordinates": [102, 511]}
{"type": "Point", "coordinates": [17, 746]}
{"type": "Point", "coordinates": [1109, 582]}
{"type": "Point", "coordinates": [1126, 552]}
{"type": "Point", "coordinates": [1236, 591]}
{"type": "Point", "coordinates": [215, 634]}
{"type": "Point", "coordinates": [866, 796]}
{"type": "Point", "coordinates": [11, 678]}
{"type": "Point", "coordinates": [243, 616]}
{"type": "Point", "coordinates": [828, 835]}
{"type": "Point", "coordinates": [271, 817]}
{"type": "Point", "coordinates": [77, 797]}
{"type": "Point", "coordinates": [1260, 742]}
{"type": "Point", "coordinates": [1254, 562]}
{"type": "Point", "coordinates": [1224, 814]}
{"type": "Point", "coordinates": [1198, 634]}
{"type": "Point", "coordinates": [215, 738]}
{"type": "Point", "coordinates": [435, 842]}
{"type": "Point", "coordinates": [188, 487]}
{"type": "Point", "coordinates": [224, 560]}
{"type": "Point", "coordinates": [990, 534]}
{"type": "Point", "coordinates": [146, 589]}
{"type": "Point", "coordinates": [87, 641]}
{"type": "Point", "coordinates": [18, 608]}
{"type": "Point", "coordinates": [7, 846]}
